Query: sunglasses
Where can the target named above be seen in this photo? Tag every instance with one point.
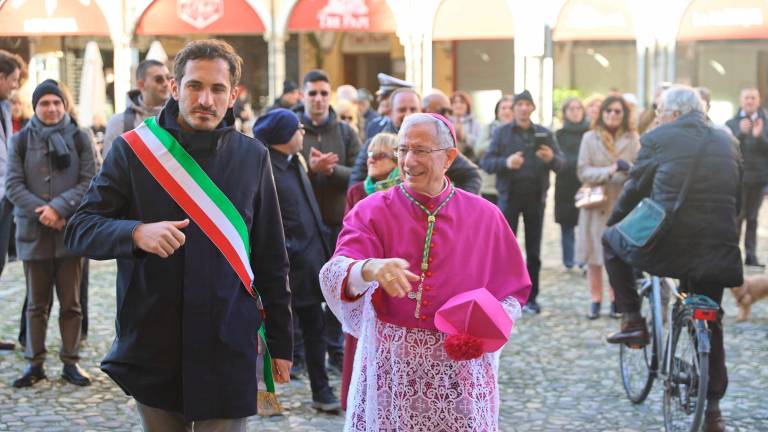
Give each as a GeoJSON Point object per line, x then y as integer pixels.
{"type": "Point", "coordinates": [313, 93]}
{"type": "Point", "coordinates": [377, 156]}
{"type": "Point", "coordinates": [614, 111]}
{"type": "Point", "coordinates": [346, 118]}
{"type": "Point", "coordinates": [161, 79]}
{"type": "Point", "coordinates": [445, 111]}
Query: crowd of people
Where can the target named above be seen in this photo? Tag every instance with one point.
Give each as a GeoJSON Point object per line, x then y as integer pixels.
{"type": "Point", "coordinates": [189, 208]}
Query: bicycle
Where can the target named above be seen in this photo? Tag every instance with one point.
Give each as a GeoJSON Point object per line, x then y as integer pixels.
{"type": "Point", "coordinates": [684, 369]}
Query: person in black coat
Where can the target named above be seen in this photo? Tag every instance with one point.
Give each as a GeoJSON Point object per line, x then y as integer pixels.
{"type": "Point", "coordinates": [186, 342]}
{"type": "Point", "coordinates": [305, 241]}
{"type": "Point", "coordinates": [748, 126]}
{"type": "Point", "coordinates": [521, 155]}
{"type": "Point", "coordinates": [701, 246]}
{"type": "Point", "coordinates": [463, 173]}
{"type": "Point", "coordinates": [567, 183]}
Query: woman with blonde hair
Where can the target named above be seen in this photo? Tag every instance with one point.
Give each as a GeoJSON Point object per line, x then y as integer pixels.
{"type": "Point", "coordinates": [382, 175]}
{"type": "Point", "coordinates": [605, 156]}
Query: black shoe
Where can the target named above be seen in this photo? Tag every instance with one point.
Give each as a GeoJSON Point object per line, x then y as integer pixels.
{"type": "Point", "coordinates": [614, 313]}
{"type": "Point", "coordinates": [73, 374]}
{"type": "Point", "coordinates": [594, 311]}
{"type": "Point", "coordinates": [634, 331]}
{"type": "Point", "coordinates": [751, 260]}
{"type": "Point", "coordinates": [298, 370]}
{"type": "Point", "coordinates": [7, 346]}
{"type": "Point", "coordinates": [31, 375]}
{"type": "Point", "coordinates": [532, 308]}
{"type": "Point", "coordinates": [326, 402]}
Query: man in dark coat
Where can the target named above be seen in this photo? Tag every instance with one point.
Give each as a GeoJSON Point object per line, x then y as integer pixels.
{"type": "Point", "coordinates": [748, 125]}
{"type": "Point", "coordinates": [701, 246]}
{"type": "Point", "coordinates": [405, 101]}
{"type": "Point", "coordinates": [305, 241]}
{"type": "Point", "coordinates": [186, 344]}
{"type": "Point", "coordinates": [330, 148]}
{"type": "Point", "coordinates": [521, 155]}
{"type": "Point", "coordinates": [49, 167]}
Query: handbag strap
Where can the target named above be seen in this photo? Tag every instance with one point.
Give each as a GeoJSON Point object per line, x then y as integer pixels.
{"type": "Point", "coordinates": [684, 191]}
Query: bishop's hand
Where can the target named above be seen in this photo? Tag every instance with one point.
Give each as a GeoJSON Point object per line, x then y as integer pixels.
{"type": "Point", "coordinates": [391, 273]}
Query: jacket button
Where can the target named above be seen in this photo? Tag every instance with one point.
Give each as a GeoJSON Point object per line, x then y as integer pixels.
{"type": "Point", "coordinates": [432, 245]}
{"type": "Point", "coordinates": [424, 302]}
{"type": "Point", "coordinates": [429, 274]}
{"type": "Point", "coordinates": [423, 317]}
{"type": "Point", "coordinates": [431, 259]}
{"type": "Point", "coordinates": [427, 287]}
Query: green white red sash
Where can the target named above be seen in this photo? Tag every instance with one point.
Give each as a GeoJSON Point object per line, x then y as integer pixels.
{"type": "Point", "coordinates": [178, 173]}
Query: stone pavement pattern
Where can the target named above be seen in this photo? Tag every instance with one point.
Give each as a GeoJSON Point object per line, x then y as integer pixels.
{"type": "Point", "coordinates": [556, 374]}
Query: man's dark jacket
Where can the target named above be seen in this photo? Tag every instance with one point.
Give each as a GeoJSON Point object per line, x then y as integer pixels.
{"type": "Point", "coordinates": [186, 329]}
{"type": "Point", "coordinates": [305, 232]}
{"type": "Point", "coordinates": [331, 190]}
{"type": "Point", "coordinates": [464, 174]}
{"type": "Point", "coordinates": [532, 178]}
{"type": "Point", "coordinates": [567, 182]}
{"type": "Point", "coordinates": [754, 150]}
{"type": "Point", "coordinates": [702, 243]}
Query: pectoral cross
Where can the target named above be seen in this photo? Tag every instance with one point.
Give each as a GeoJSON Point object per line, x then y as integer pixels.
{"type": "Point", "coordinates": [416, 295]}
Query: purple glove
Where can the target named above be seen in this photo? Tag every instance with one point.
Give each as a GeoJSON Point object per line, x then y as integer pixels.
{"type": "Point", "coordinates": [622, 165]}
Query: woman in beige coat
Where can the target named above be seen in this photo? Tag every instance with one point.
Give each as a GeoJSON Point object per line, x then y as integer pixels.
{"type": "Point", "coordinates": [605, 156]}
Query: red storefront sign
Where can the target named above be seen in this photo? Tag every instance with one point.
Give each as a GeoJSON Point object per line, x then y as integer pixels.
{"type": "Point", "coordinates": [51, 17]}
{"type": "Point", "coordinates": [725, 19]}
{"type": "Point", "coordinates": [183, 17]}
{"type": "Point", "coordinates": [342, 15]}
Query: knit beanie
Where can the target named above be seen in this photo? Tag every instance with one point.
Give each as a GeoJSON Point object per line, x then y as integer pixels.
{"type": "Point", "coordinates": [276, 127]}
{"type": "Point", "coordinates": [47, 87]}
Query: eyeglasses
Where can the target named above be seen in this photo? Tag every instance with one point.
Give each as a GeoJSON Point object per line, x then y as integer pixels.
{"type": "Point", "coordinates": [346, 118]}
{"type": "Point", "coordinates": [377, 156]}
{"type": "Point", "coordinates": [161, 79]}
{"type": "Point", "coordinates": [445, 111]}
{"type": "Point", "coordinates": [313, 93]}
{"type": "Point", "coordinates": [613, 111]}
{"type": "Point", "coordinates": [402, 152]}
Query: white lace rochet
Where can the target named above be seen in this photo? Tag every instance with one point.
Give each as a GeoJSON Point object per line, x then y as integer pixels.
{"type": "Point", "coordinates": [402, 378]}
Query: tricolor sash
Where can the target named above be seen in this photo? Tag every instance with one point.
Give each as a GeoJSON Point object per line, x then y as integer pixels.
{"type": "Point", "coordinates": [194, 191]}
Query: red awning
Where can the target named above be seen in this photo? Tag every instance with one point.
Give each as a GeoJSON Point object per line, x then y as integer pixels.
{"type": "Point", "coordinates": [724, 19]}
{"type": "Point", "coordinates": [486, 19]}
{"type": "Point", "coordinates": [342, 15]}
{"type": "Point", "coordinates": [54, 18]}
{"type": "Point", "coordinates": [594, 20]}
{"type": "Point", "coordinates": [184, 17]}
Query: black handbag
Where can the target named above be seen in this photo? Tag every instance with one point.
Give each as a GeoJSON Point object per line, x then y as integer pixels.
{"type": "Point", "coordinates": [649, 220]}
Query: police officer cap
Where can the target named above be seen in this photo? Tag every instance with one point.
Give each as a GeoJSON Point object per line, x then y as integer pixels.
{"type": "Point", "coordinates": [388, 84]}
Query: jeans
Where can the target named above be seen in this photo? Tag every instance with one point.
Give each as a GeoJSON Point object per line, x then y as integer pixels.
{"type": "Point", "coordinates": [567, 241]}
{"type": "Point", "coordinates": [623, 280]}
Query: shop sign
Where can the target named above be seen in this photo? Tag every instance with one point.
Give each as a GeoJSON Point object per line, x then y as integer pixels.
{"type": "Point", "coordinates": [729, 17]}
{"type": "Point", "coordinates": [341, 15]}
{"type": "Point", "coordinates": [199, 13]}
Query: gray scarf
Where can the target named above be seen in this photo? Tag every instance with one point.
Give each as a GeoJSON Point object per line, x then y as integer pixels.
{"type": "Point", "coordinates": [59, 137]}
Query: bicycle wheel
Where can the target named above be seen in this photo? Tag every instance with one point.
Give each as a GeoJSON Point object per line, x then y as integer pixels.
{"type": "Point", "coordinates": [685, 389]}
{"type": "Point", "coordinates": [638, 364]}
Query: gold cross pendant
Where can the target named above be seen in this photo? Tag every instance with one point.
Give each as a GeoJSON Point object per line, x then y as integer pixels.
{"type": "Point", "coordinates": [416, 295]}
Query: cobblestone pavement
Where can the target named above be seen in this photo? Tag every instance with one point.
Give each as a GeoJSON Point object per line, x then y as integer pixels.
{"type": "Point", "coordinates": [556, 374]}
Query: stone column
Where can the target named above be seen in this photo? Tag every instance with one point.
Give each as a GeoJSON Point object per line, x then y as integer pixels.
{"type": "Point", "coordinates": [275, 63]}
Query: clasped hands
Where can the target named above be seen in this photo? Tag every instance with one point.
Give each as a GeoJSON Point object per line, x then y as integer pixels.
{"type": "Point", "coordinates": [746, 126]}
{"type": "Point", "coordinates": [392, 274]}
{"type": "Point", "coordinates": [322, 163]}
{"type": "Point", "coordinates": [50, 217]}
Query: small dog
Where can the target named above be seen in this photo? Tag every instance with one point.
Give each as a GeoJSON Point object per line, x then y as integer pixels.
{"type": "Point", "coordinates": [755, 288]}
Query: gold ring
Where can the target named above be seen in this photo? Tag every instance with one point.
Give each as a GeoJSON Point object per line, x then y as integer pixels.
{"type": "Point", "coordinates": [389, 277]}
